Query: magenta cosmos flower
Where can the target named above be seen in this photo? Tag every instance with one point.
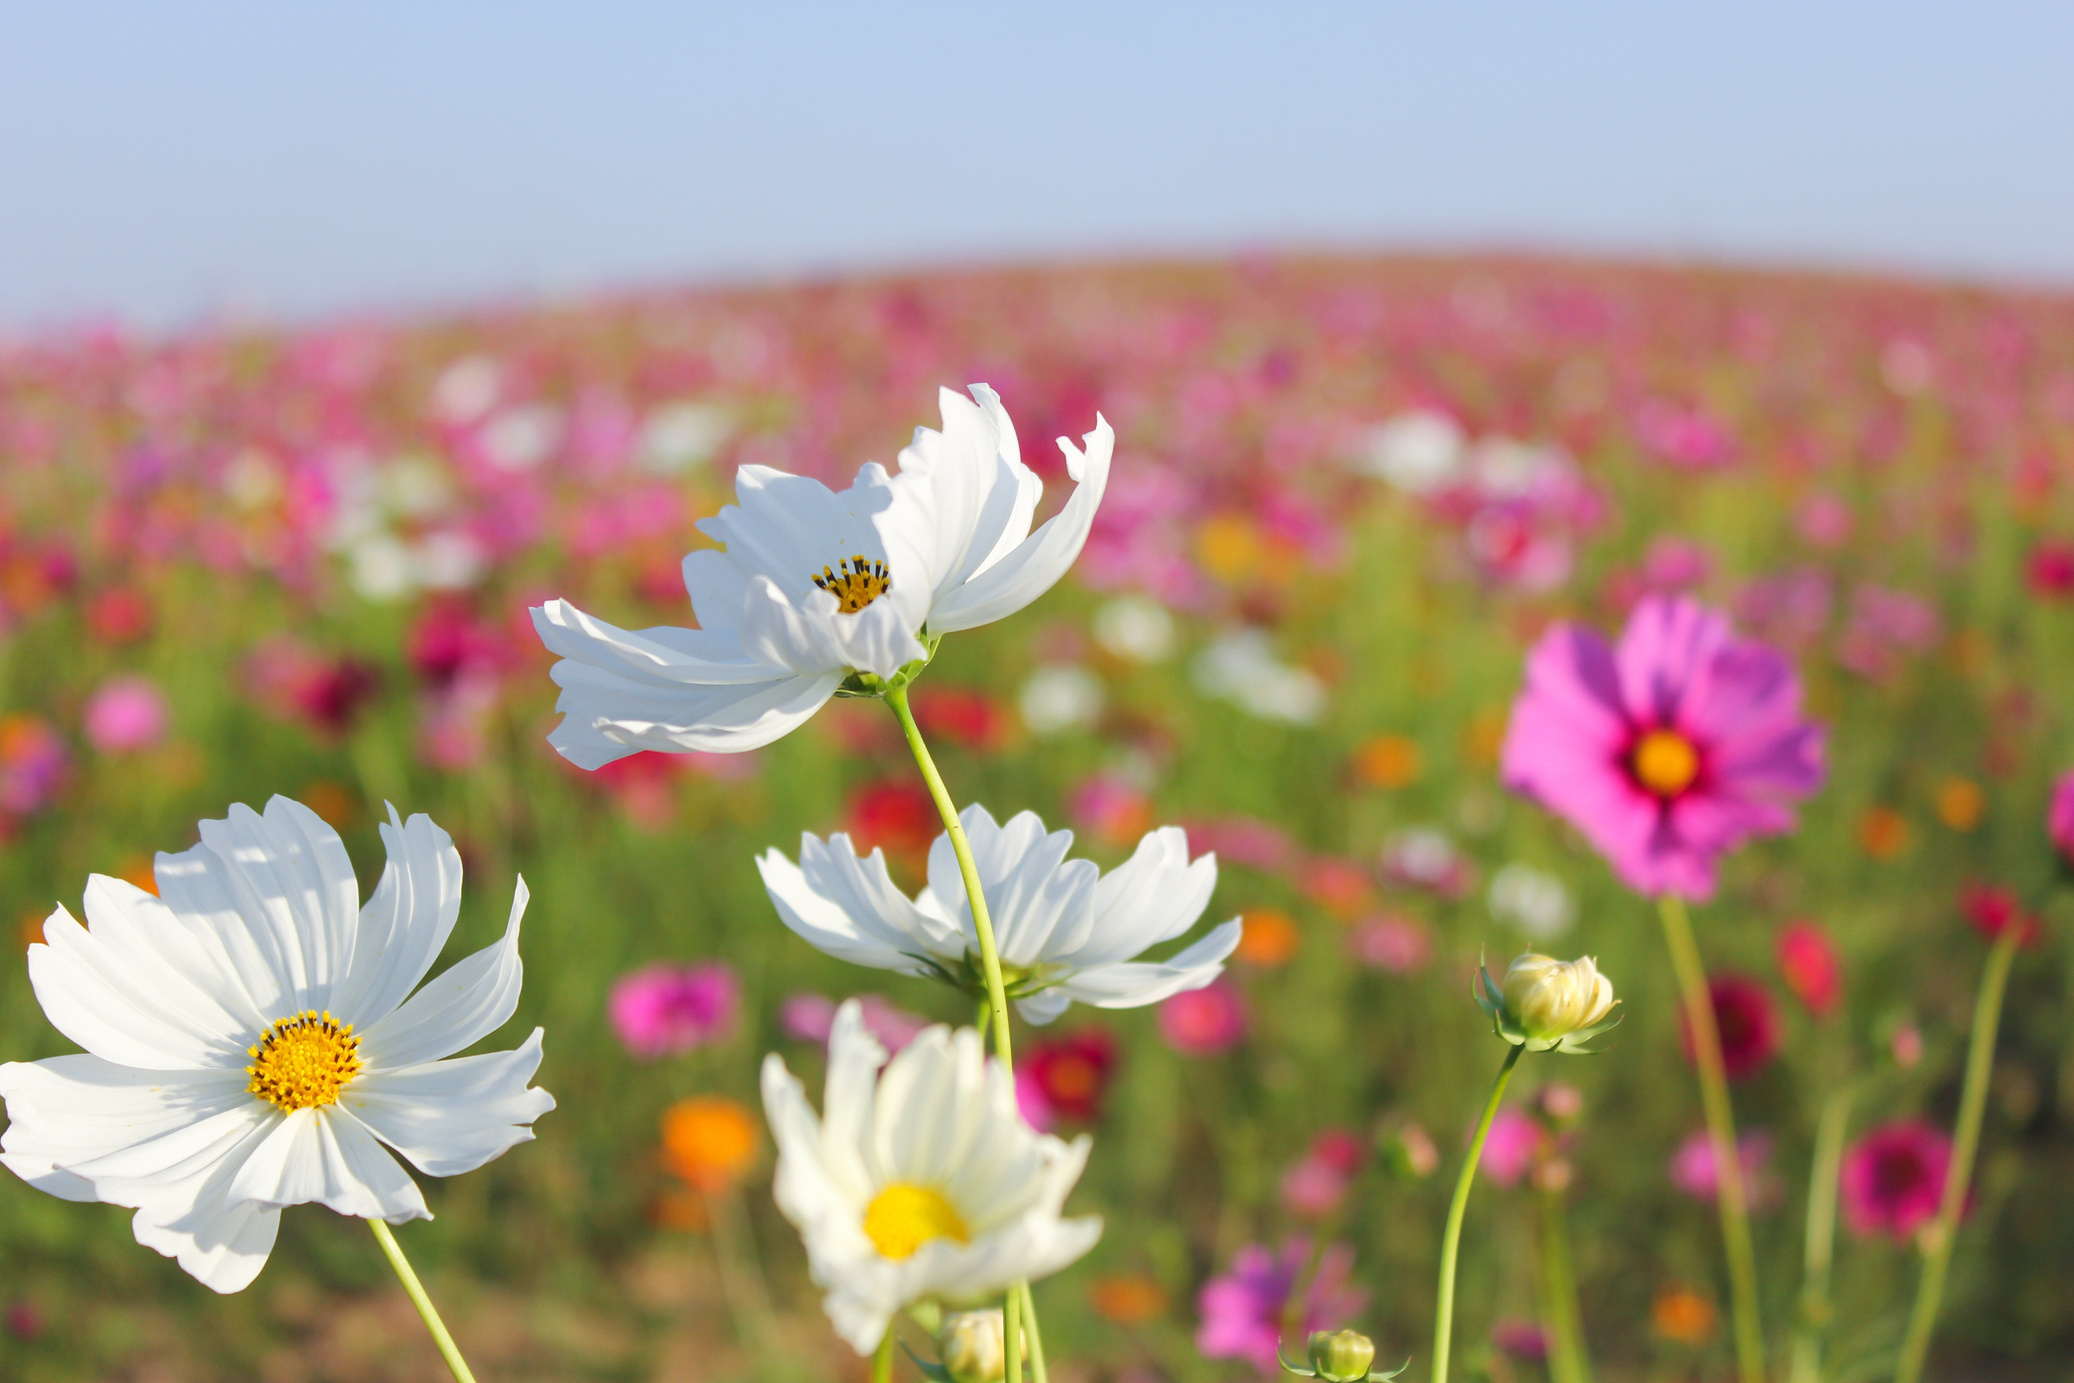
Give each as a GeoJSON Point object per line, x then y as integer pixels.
{"type": "Point", "coordinates": [1242, 1310]}
{"type": "Point", "coordinates": [666, 1010]}
{"type": "Point", "coordinates": [2059, 820]}
{"type": "Point", "coordinates": [1667, 750]}
{"type": "Point", "coordinates": [1894, 1177]}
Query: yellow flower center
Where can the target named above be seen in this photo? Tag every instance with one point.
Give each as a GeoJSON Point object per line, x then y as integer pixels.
{"type": "Point", "coordinates": [1666, 763]}
{"type": "Point", "coordinates": [903, 1217]}
{"type": "Point", "coordinates": [304, 1061]}
{"type": "Point", "coordinates": [856, 584]}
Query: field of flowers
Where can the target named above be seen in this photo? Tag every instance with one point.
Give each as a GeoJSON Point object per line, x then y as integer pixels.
{"type": "Point", "coordinates": [1348, 496]}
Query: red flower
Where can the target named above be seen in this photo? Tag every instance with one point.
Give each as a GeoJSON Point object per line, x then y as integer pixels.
{"type": "Point", "coordinates": [1993, 910]}
{"type": "Point", "coordinates": [1748, 1022]}
{"type": "Point", "coordinates": [1808, 963]}
{"type": "Point", "coordinates": [896, 817]}
{"type": "Point", "coordinates": [963, 716]}
{"type": "Point", "coordinates": [1068, 1076]}
{"type": "Point", "coordinates": [2050, 570]}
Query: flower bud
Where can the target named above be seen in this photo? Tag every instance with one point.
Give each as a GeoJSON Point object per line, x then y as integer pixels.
{"type": "Point", "coordinates": [970, 1344]}
{"type": "Point", "coordinates": [1549, 999]}
{"type": "Point", "coordinates": [1341, 1356]}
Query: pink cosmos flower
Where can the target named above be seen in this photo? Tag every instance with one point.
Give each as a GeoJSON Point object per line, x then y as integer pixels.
{"type": "Point", "coordinates": [1809, 964]}
{"type": "Point", "coordinates": [1668, 750]}
{"type": "Point", "coordinates": [127, 713]}
{"type": "Point", "coordinates": [1509, 1148]}
{"type": "Point", "coordinates": [1893, 1179]}
{"type": "Point", "coordinates": [2059, 819]}
{"type": "Point", "coordinates": [1316, 1184]}
{"type": "Point", "coordinates": [1204, 1022]}
{"type": "Point", "coordinates": [1242, 1310]}
{"type": "Point", "coordinates": [811, 1017]}
{"type": "Point", "coordinates": [667, 1009]}
{"type": "Point", "coordinates": [1693, 1169]}
{"type": "Point", "coordinates": [1393, 942]}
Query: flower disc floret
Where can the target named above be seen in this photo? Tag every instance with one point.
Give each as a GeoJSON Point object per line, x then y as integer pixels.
{"type": "Point", "coordinates": [304, 1062]}
{"type": "Point", "coordinates": [903, 1217]}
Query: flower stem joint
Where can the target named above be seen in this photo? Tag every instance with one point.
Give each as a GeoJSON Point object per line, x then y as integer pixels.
{"type": "Point", "coordinates": [1545, 1004]}
{"type": "Point", "coordinates": [1341, 1356]}
{"type": "Point", "coordinates": [972, 1348]}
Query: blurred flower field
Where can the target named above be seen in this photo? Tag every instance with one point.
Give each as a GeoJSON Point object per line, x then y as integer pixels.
{"type": "Point", "coordinates": [1347, 497]}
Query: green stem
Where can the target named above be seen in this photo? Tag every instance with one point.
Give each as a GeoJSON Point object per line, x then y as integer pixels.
{"type": "Point", "coordinates": [1451, 1242]}
{"type": "Point", "coordinates": [882, 1358]}
{"type": "Point", "coordinates": [1568, 1361]}
{"type": "Point", "coordinates": [1037, 1372]}
{"type": "Point", "coordinates": [415, 1290]}
{"type": "Point", "coordinates": [1730, 1197]}
{"type": "Point", "coordinates": [1815, 1307]}
{"type": "Point", "coordinates": [1973, 1099]}
{"type": "Point", "coordinates": [989, 960]}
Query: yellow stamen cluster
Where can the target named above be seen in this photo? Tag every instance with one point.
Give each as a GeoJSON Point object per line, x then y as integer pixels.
{"type": "Point", "coordinates": [859, 582]}
{"type": "Point", "coordinates": [1666, 762]}
{"type": "Point", "coordinates": [304, 1061]}
{"type": "Point", "coordinates": [903, 1217]}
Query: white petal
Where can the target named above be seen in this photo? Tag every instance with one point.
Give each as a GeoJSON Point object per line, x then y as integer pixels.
{"type": "Point", "coordinates": [405, 923]}
{"type": "Point", "coordinates": [717, 588]}
{"type": "Point", "coordinates": [120, 1006]}
{"type": "Point", "coordinates": [1153, 896]}
{"type": "Point", "coordinates": [604, 720]}
{"type": "Point", "coordinates": [1037, 563]}
{"type": "Point", "coordinates": [812, 636]}
{"type": "Point", "coordinates": [450, 1117]}
{"type": "Point", "coordinates": [182, 959]}
{"type": "Point", "coordinates": [1044, 1007]}
{"type": "Point", "coordinates": [828, 925]}
{"type": "Point", "coordinates": [280, 893]}
{"type": "Point", "coordinates": [663, 657]}
{"type": "Point", "coordinates": [190, 1216]}
{"type": "Point", "coordinates": [69, 1111]}
{"type": "Point", "coordinates": [1031, 888]}
{"type": "Point", "coordinates": [470, 1000]}
{"type": "Point", "coordinates": [787, 527]}
{"type": "Point", "coordinates": [1131, 984]}
{"type": "Point", "coordinates": [329, 1157]}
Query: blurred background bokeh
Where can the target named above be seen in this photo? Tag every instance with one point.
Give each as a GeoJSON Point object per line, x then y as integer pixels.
{"type": "Point", "coordinates": [331, 339]}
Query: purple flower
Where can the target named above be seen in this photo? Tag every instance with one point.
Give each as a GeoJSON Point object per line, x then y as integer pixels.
{"type": "Point", "coordinates": [1242, 1310]}
{"type": "Point", "coordinates": [668, 1009]}
{"type": "Point", "coordinates": [1667, 751]}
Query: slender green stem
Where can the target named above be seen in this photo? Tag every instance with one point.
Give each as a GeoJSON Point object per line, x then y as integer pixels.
{"type": "Point", "coordinates": [1815, 1306]}
{"type": "Point", "coordinates": [989, 959]}
{"type": "Point", "coordinates": [1037, 1373]}
{"type": "Point", "coordinates": [1568, 1360]}
{"type": "Point", "coordinates": [415, 1290]}
{"type": "Point", "coordinates": [1973, 1099]}
{"type": "Point", "coordinates": [882, 1358]}
{"type": "Point", "coordinates": [1451, 1242]}
{"type": "Point", "coordinates": [1730, 1197]}
{"type": "Point", "coordinates": [981, 1022]}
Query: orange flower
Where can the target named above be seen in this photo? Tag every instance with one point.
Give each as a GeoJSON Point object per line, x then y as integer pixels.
{"type": "Point", "coordinates": [710, 1141]}
{"type": "Point", "coordinates": [1387, 761]}
{"type": "Point", "coordinates": [1270, 938]}
{"type": "Point", "coordinates": [334, 802]}
{"type": "Point", "coordinates": [1683, 1315]}
{"type": "Point", "coordinates": [1882, 832]}
{"type": "Point", "coordinates": [30, 928]}
{"type": "Point", "coordinates": [1127, 1299]}
{"type": "Point", "coordinates": [1960, 803]}
{"type": "Point", "coordinates": [137, 870]}
{"type": "Point", "coordinates": [1229, 548]}
{"type": "Point", "coordinates": [680, 1207]}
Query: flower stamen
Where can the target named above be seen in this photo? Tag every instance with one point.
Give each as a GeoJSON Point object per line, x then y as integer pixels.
{"type": "Point", "coordinates": [1665, 762]}
{"type": "Point", "coordinates": [904, 1216]}
{"type": "Point", "coordinates": [858, 582]}
{"type": "Point", "coordinates": [304, 1061]}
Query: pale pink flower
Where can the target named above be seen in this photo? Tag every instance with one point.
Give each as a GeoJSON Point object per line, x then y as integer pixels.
{"type": "Point", "coordinates": [126, 714]}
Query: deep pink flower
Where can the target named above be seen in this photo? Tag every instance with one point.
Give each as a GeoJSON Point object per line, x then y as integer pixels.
{"type": "Point", "coordinates": [1675, 564]}
{"type": "Point", "coordinates": [668, 1009]}
{"type": "Point", "coordinates": [1204, 1022]}
{"type": "Point", "coordinates": [1524, 1340]}
{"type": "Point", "coordinates": [1667, 751]}
{"type": "Point", "coordinates": [1693, 1169]}
{"type": "Point", "coordinates": [1747, 1020]}
{"type": "Point", "coordinates": [1242, 1310]}
{"type": "Point", "coordinates": [127, 713]}
{"type": "Point", "coordinates": [1993, 910]}
{"type": "Point", "coordinates": [811, 1018]}
{"type": "Point", "coordinates": [2050, 570]}
{"type": "Point", "coordinates": [1808, 963]}
{"type": "Point", "coordinates": [33, 763]}
{"type": "Point", "coordinates": [1065, 1078]}
{"type": "Point", "coordinates": [1509, 1148]}
{"type": "Point", "coordinates": [2059, 819]}
{"type": "Point", "coordinates": [1894, 1177]}
{"type": "Point", "coordinates": [1691, 438]}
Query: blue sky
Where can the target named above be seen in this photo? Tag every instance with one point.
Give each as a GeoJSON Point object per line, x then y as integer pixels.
{"type": "Point", "coordinates": [172, 161]}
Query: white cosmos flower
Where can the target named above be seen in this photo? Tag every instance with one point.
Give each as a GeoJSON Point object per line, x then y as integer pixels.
{"type": "Point", "coordinates": [923, 1182]}
{"type": "Point", "coordinates": [252, 1040]}
{"type": "Point", "coordinates": [814, 585]}
{"type": "Point", "coordinates": [1064, 929]}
